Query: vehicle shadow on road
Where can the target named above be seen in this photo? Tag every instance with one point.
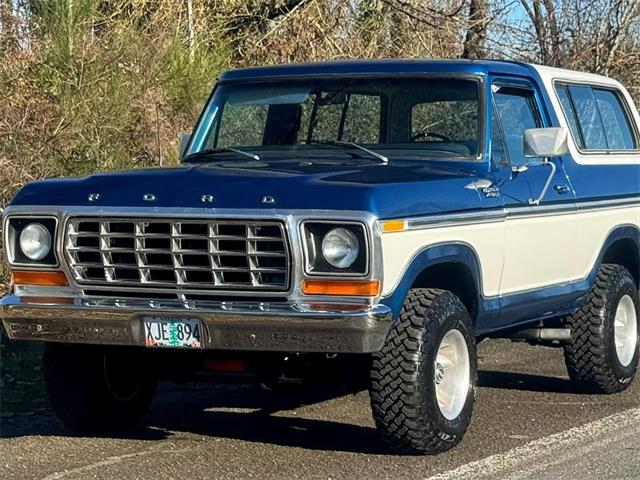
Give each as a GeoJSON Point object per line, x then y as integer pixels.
{"type": "Point", "coordinates": [235, 412]}
{"type": "Point", "coordinates": [525, 382]}
{"type": "Point", "coordinates": [246, 412]}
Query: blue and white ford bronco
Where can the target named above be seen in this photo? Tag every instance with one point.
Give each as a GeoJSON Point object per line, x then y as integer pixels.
{"type": "Point", "coordinates": [394, 211]}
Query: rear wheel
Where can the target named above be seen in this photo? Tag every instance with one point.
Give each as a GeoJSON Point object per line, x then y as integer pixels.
{"type": "Point", "coordinates": [423, 380]}
{"type": "Point", "coordinates": [94, 389]}
{"type": "Point", "coordinates": [602, 355]}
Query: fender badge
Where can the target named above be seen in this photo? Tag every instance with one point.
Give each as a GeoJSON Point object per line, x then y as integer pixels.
{"type": "Point", "coordinates": [206, 198]}
{"type": "Point", "coordinates": [268, 200]}
{"type": "Point", "coordinates": [149, 197]}
{"type": "Point", "coordinates": [93, 197]}
{"type": "Point", "coordinates": [479, 184]}
{"type": "Point", "coordinates": [486, 187]}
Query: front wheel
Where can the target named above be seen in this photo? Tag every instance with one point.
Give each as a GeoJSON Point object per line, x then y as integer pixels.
{"type": "Point", "coordinates": [95, 389]}
{"type": "Point", "coordinates": [423, 380]}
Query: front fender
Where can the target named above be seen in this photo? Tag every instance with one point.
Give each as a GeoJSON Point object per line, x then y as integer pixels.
{"type": "Point", "coordinates": [456, 252]}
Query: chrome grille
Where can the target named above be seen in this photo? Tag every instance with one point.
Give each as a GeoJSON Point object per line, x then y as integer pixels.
{"type": "Point", "coordinates": [185, 254]}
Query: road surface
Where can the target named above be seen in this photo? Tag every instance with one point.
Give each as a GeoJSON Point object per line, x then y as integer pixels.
{"type": "Point", "coordinates": [529, 423]}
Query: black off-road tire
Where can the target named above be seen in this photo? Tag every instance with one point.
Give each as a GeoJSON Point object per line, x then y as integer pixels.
{"type": "Point", "coordinates": [95, 389]}
{"type": "Point", "coordinates": [403, 388]}
{"type": "Point", "coordinates": [591, 358]}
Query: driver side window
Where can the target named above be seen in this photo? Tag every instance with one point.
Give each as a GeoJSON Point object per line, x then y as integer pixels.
{"type": "Point", "coordinates": [518, 112]}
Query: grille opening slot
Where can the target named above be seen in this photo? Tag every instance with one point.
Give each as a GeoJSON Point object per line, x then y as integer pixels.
{"type": "Point", "coordinates": [191, 244]}
{"type": "Point", "coordinates": [194, 229]}
{"type": "Point", "coordinates": [267, 231]}
{"type": "Point", "coordinates": [198, 276]}
{"type": "Point", "coordinates": [159, 259]}
{"type": "Point", "coordinates": [125, 274]}
{"type": "Point", "coordinates": [88, 227]}
{"type": "Point", "coordinates": [157, 228]}
{"type": "Point", "coordinates": [118, 258]}
{"type": "Point", "coordinates": [89, 257]}
{"type": "Point", "coordinates": [164, 275]}
{"type": "Point", "coordinates": [234, 261]}
{"type": "Point", "coordinates": [237, 277]}
{"type": "Point", "coordinates": [269, 246]}
{"type": "Point", "coordinates": [157, 243]}
{"type": "Point", "coordinates": [88, 242]}
{"type": "Point", "coordinates": [231, 229]}
{"type": "Point", "coordinates": [118, 242]}
{"type": "Point", "coordinates": [272, 278]}
{"type": "Point", "coordinates": [232, 246]}
{"type": "Point", "coordinates": [271, 262]}
{"type": "Point", "coordinates": [94, 273]}
{"type": "Point", "coordinates": [222, 298]}
{"type": "Point", "coordinates": [121, 227]}
{"type": "Point", "coordinates": [129, 294]}
{"type": "Point", "coordinates": [195, 261]}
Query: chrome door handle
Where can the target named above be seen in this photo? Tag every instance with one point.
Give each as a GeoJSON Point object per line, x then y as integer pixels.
{"type": "Point", "coordinates": [562, 189]}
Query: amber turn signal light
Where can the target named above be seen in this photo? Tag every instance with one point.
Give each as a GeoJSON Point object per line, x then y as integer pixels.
{"type": "Point", "coordinates": [394, 226]}
{"type": "Point", "coordinates": [369, 288]}
{"type": "Point", "coordinates": [41, 279]}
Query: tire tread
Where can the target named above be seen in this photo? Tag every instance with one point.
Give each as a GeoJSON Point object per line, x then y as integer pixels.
{"type": "Point", "coordinates": [586, 355]}
{"type": "Point", "coordinates": [397, 398]}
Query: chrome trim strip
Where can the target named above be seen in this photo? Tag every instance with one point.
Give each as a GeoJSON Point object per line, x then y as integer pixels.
{"type": "Point", "coordinates": [227, 325]}
{"type": "Point", "coordinates": [455, 219]}
{"type": "Point", "coordinates": [500, 215]}
{"type": "Point", "coordinates": [619, 202]}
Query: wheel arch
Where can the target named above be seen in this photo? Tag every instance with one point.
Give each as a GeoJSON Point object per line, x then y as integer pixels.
{"type": "Point", "coordinates": [449, 266]}
{"type": "Point", "coordinates": [622, 247]}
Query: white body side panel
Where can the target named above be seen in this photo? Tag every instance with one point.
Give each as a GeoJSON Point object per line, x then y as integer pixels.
{"type": "Point", "coordinates": [540, 254]}
{"type": "Point", "coordinates": [487, 239]}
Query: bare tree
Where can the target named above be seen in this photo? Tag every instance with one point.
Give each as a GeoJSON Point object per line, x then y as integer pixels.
{"type": "Point", "coordinates": [475, 40]}
{"type": "Point", "coordinates": [543, 18]}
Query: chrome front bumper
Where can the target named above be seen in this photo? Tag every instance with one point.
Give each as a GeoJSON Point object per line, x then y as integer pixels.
{"type": "Point", "coordinates": [228, 325]}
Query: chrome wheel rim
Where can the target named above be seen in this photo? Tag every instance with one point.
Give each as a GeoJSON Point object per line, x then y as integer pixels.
{"type": "Point", "coordinates": [625, 326]}
{"type": "Point", "coordinates": [451, 376]}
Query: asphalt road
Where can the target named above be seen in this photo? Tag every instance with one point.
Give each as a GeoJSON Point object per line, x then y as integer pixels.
{"type": "Point", "coordinates": [528, 423]}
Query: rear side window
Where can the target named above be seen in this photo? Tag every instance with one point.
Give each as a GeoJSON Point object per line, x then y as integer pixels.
{"type": "Point", "coordinates": [597, 118]}
{"type": "Point", "coordinates": [618, 131]}
{"type": "Point", "coordinates": [570, 113]}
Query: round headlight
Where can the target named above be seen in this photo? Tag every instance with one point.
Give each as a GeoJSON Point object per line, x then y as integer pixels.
{"type": "Point", "coordinates": [35, 242]}
{"type": "Point", "coordinates": [340, 248]}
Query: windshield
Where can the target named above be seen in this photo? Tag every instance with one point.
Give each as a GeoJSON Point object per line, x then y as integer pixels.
{"type": "Point", "coordinates": [403, 117]}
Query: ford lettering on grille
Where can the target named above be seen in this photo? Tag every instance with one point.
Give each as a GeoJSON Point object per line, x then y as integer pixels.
{"type": "Point", "coordinates": [194, 254]}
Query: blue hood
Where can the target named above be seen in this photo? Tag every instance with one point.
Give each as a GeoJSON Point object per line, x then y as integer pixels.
{"type": "Point", "coordinates": [395, 190]}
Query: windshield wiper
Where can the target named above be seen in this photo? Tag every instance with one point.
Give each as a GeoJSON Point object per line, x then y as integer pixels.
{"type": "Point", "coordinates": [206, 151]}
{"type": "Point", "coordinates": [339, 143]}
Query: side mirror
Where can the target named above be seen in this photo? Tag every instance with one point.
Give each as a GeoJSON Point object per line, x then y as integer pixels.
{"type": "Point", "coordinates": [545, 142]}
{"type": "Point", "coordinates": [182, 146]}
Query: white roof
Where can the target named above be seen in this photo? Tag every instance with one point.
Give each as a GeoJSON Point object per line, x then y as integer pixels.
{"type": "Point", "coordinates": [551, 74]}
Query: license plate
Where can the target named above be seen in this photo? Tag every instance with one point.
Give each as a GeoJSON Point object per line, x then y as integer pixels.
{"type": "Point", "coordinates": [172, 332]}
